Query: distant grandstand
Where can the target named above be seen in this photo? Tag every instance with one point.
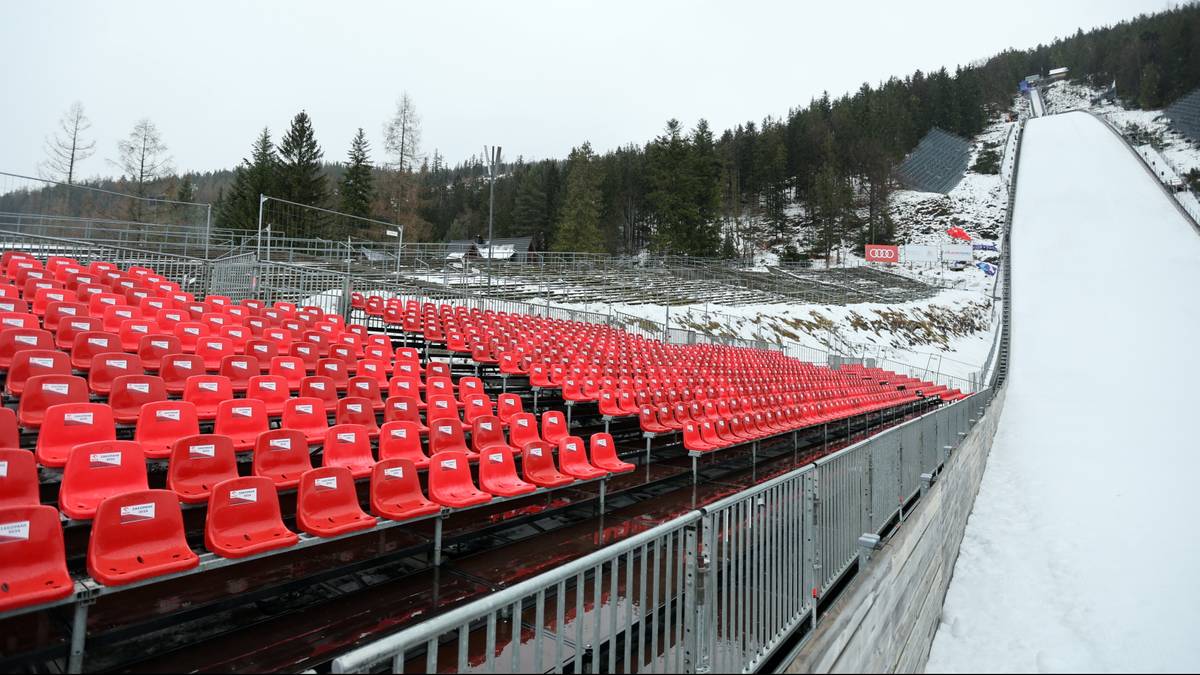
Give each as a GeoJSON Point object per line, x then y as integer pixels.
{"type": "Point", "coordinates": [937, 164]}
{"type": "Point", "coordinates": [1184, 115]}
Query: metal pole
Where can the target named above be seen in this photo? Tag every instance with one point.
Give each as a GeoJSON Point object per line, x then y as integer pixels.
{"type": "Point", "coordinates": [262, 199]}
{"type": "Point", "coordinates": [207, 230]}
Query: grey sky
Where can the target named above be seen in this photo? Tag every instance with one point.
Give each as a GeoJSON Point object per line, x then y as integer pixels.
{"type": "Point", "coordinates": [534, 77]}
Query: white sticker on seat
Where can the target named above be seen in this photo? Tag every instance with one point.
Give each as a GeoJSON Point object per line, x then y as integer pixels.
{"type": "Point", "coordinates": [450, 464]}
{"type": "Point", "coordinates": [319, 386]}
{"type": "Point", "coordinates": [268, 385]}
{"type": "Point", "coordinates": [14, 531]}
{"type": "Point", "coordinates": [167, 414]}
{"type": "Point", "coordinates": [209, 386]}
{"type": "Point", "coordinates": [216, 345]}
{"type": "Point", "coordinates": [41, 362]}
{"type": "Point", "coordinates": [304, 408]}
{"type": "Point", "coordinates": [363, 385]}
{"type": "Point", "coordinates": [443, 404]}
{"type": "Point", "coordinates": [191, 330]}
{"type": "Point", "coordinates": [136, 512]}
{"type": "Point", "coordinates": [571, 447]}
{"type": "Point", "coordinates": [69, 311]}
{"type": "Point", "coordinates": [399, 433]}
{"type": "Point", "coordinates": [4, 469]}
{"type": "Point", "coordinates": [328, 482]}
{"type": "Point", "coordinates": [78, 418]}
{"type": "Point", "coordinates": [26, 339]}
{"type": "Point", "coordinates": [121, 364]}
{"type": "Point", "coordinates": [402, 405]}
{"type": "Point", "coordinates": [206, 451]}
{"type": "Point", "coordinates": [347, 437]}
{"type": "Point", "coordinates": [394, 472]}
{"type": "Point", "coordinates": [332, 366]}
{"type": "Point", "coordinates": [246, 496]}
{"type": "Point", "coordinates": [496, 458]}
{"type": "Point", "coordinates": [98, 459]}
{"type": "Point", "coordinates": [486, 426]}
{"type": "Point", "coordinates": [536, 452]}
{"type": "Point", "coordinates": [99, 342]}
{"type": "Point", "coordinates": [289, 365]}
{"type": "Point", "coordinates": [108, 301]}
{"type": "Point", "coordinates": [243, 412]}
{"type": "Point", "coordinates": [81, 325]}
{"type": "Point", "coordinates": [140, 328]}
{"type": "Point", "coordinates": [262, 348]}
{"type": "Point", "coordinates": [240, 364]}
{"type": "Point", "coordinates": [124, 313]}
{"type": "Point", "coordinates": [522, 423]}
{"type": "Point", "coordinates": [445, 430]}
{"type": "Point", "coordinates": [369, 366]}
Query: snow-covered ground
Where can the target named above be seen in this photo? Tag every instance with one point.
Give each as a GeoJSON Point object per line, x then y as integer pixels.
{"type": "Point", "coordinates": [1080, 553]}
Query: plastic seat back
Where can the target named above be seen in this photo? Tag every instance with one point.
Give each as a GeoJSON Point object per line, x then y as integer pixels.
{"type": "Point", "coordinates": [468, 387]}
{"type": "Point", "coordinates": [58, 313]}
{"type": "Point", "coordinates": [162, 422]}
{"type": "Point", "coordinates": [138, 535]}
{"type": "Point", "coordinates": [239, 369]}
{"type": "Point", "coordinates": [523, 430]}
{"type": "Point", "coordinates": [177, 368]}
{"type": "Point", "coordinates": [263, 350]}
{"type": "Point", "coordinates": [244, 518]}
{"type": "Point", "coordinates": [242, 420]}
{"type": "Point", "coordinates": [478, 406]}
{"type": "Point", "coordinates": [320, 387]}
{"type": "Point", "coordinates": [213, 350]}
{"type": "Point", "coordinates": [447, 436]}
{"type": "Point", "coordinates": [498, 474]}
{"type": "Point", "coordinates": [89, 344]}
{"type": "Point", "coordinates": [357, 410]}
{"type": "Point", "coordinates": [46, 391]}
{"type": "Point", "coordinates": [376, 369]}
{"type": "Point", "coordinates": [508, 405]}
{"type": "Point", "coordinates": [10, 433]}
{"type": "Point", "coordinates": [289, 368]}
{"type": "Point", "coordinates": [190, 333]}
{"type": "Point", "coordinates": [307, 415]}
{"type": "Point", "coordinates": [441, 407]}
{"type": "Point", "coordinates": [554, 427]}
{"type": "Point", "coordinates": [402, 440]}
{"type": "Point", "coordinates": [327, 503]}
{"type": "Point", "coordinates": [572, 459]}
{"type": "Point", "coordinates": [33, 568]}
{"type": "Point", "coordinates": [31, 363]}
{"type": "Point", "coordinates": [537, 462]}
{"type": "Point", "coordinates": [98, 470]}
{"type": "Point", "coordinates": [396, 491]}
{"type": "Point", "coordinates": [450, 482]}
{"type": "Point", "coordinates": [155, 347]}
{"type": "Point", "coordinates": [18, 479]}
{"type": "Point", "coordinates": [486, 433]}
{"type": "Point", "coordinates": [130, 392]}
{"type": "Point", "coordinates": [14, 340]}
{"type": "Point", "coordinates": [348, 445]}
{"type": "Point", "coordinates": [366, 387]}
{"type": "Point", "coordinates": [272, 390]}
{"type": "Point", "coordinates": [207, 392]}
{"type": "Point", "coordinates": [108, 367]}
{"type": "Point", "coordinates": [439, 386]}
{"type": "Point", "coordinates": [282, 456]}
{"type": "Point", "coordinates": [198, 463]}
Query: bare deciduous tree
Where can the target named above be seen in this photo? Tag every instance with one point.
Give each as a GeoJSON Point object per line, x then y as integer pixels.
{"type": "Point", "coordinates": [143, 159]}
{"type": "Point", "coordinates": [402, 134]}
{"type": "Point", "coordinates": [67, 148]}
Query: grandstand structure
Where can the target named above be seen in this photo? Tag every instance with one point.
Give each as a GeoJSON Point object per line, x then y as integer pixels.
{"type": "Point", "coordinates": [316, 462]}
{"type": "Point", "coordinates": [1184, 115]}
{"type": "Point", "coordinates": [937, 164]}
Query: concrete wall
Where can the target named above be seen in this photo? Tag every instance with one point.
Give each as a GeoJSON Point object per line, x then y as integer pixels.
{"type": "Point", "coordinates": [885, 620]}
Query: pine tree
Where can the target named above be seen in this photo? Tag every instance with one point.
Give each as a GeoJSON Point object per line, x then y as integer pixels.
{"type": "Point", "coordinates": [356, 189]}
{"type": "Point", "coordinates": [300, 177]}
{"type": "Point", "coordinates": [1148, 96]}
{"type": "Point", "coordinates": [579, 224]}
{"type": "Point", "coordinates": [256, 176]}
{"type": "Point", "coordinates": [531, 217]}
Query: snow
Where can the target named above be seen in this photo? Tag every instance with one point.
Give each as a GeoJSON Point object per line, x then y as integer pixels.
{"type": "Point", "coordinates": [1080, 554]}
{"type": "Point", "coordinates": [1035, 97]}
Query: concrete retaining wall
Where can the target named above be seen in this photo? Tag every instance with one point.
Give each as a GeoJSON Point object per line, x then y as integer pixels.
{"type": "Point", "coordinates": [885, 620]}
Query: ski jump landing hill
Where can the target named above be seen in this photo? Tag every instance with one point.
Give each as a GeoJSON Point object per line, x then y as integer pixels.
{"type": "Point", "coordinates": [1078, 552]}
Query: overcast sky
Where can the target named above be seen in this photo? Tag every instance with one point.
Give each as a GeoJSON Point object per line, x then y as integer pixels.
{"type": "Point", "coordinates": [533, 77]}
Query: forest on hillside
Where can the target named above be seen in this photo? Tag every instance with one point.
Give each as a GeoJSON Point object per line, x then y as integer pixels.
{"type": "Point", "coordinates": [824, 169]}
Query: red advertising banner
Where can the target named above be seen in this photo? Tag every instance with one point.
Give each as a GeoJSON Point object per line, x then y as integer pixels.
{"type": "Point", "coordinates": [882, 254]}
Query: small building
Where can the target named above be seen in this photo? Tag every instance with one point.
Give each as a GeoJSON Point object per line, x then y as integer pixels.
{"type": "Point", "coordinates": [511, 249]}
{"type": "Point", "coordinates": [1033, 79]}
{"type": "Point", "coordinates": [1058, 73]}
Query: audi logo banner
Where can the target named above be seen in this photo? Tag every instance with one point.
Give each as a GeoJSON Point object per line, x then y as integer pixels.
{"type": "Point", "coordinates": [882, 254]}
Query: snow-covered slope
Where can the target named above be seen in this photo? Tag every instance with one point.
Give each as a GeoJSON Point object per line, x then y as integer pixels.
{"type": "Point", "coordinates": [1081, 553]}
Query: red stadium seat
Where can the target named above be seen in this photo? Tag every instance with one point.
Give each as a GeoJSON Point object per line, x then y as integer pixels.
{"type": "Point", "coordinates": [10, 434]}
{"type": "Point", "coordinates": [447, 436]}
{"type": "Point", "coordinates": [537, 461]}
{"type": "Point", "coordinates": [281, 455]}
{"type": "Point", "coordinates": [572, 458]}
{"type": "Point", "coordinates": [523, 430]}
{"type": "Point", "coordinates": [554, 427]}
{"type": "Point", "coordinates": [320, 387]}
{"type": "Point", "coordinates": [477, 406]}
{"type": "Point", "coordinates": [59, 313]}
{"type": "Point", "coordinates": [348, 445]}
{"type": "Point", "coordinates": [498, 474]}
{"type": "Point", "coordinates": [487, 433]}
{"type": "Point", "coordinates": [108, 367]}
{"type": "Point", "coordinates": [307, 415]}
{"type": "Point", "coordinates": [396, 491]}
{"type": "Point", "coordinates": [64, 337]}
{"type": "Point", "coordinates": [508, 405]}
{"type": "Point", "coordinates": [45, 391]}
{"type": "Point", "coordinates": [336, 370]}
{"type": "Point", "coordinates": [239, 369]}
{"type": "Point", "coordinates": [176, 368]}
{"type": "Point", "coordinates": [155, 347]}
{"type": "Point", "coordinates": [10, 320]}
{"type": "Point", "coordinates": [212, 350]}
{"type": "Point", "coordinates": [604, 454]}
{"type": "Point", "coordinates": [138, 535]}
{"type": "Point", "coordinates": [16, 340]}
{"type": "Point", "coordinates": [403, 408]}
{"type": "Point", "coordinates": [130, 392]}
{"type": "Point", "coordinates": [90, 344]}
{"type": "Point", "coordinates": [244, 519]}
{"type": "Point", "coordinates": [241, 420]}
{"type": "Point", "coordinates": [33, 569]}
{"type": "Point", "coordinates": [289, 368]}
{"type": "Point", "coordinates": [18, 479]}
{"type": "Point", "coordinates": [368, 388]}
{"type": "Point", "coordinates": [98, 470]}
{"type": "Point", "coordinates": [327, 503]}
{"type": "Point", "coordinates": [263, 350]}
{"type": "Point", "coordinates": [357, 410]}
{"type": "Point", "coordinates": [161, 423]}
{"type": "Point", "coordinates": [34, 362]}
{"type": "Point", "coordinates": [207, 392]}
{"type": "Point", "coordinates": [272, 390]}
{"type": "Point", "coordinates": [402, 440]}
{"type": "Point", "coordinates": [198, 463]}
{"type": "Point", "coordinates": [450, 482]}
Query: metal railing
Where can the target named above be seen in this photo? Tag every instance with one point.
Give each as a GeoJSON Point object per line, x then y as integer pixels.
{"type": "Point", "coordinates": [718, 589]}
